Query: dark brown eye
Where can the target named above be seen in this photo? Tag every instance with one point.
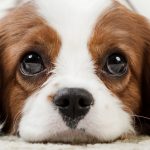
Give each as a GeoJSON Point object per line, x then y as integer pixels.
{"type": "Point", "coordinates": [32, 64]}
{"type": "Point", "coordinates": [116, 65]}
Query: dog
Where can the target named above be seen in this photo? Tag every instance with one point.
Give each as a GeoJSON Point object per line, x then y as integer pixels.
{"type": "Point", "coordinates": [75, 72]}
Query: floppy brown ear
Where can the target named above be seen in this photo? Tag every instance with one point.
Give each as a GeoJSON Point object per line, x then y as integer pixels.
{"type": "Point", "coordinates": [144, 122]}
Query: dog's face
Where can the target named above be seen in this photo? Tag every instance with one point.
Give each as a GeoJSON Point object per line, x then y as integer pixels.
{"type": "Point", "coordinates": [72, 72]}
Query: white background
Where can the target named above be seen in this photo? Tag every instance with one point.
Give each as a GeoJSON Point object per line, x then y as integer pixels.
{"type": "Point", "coordinates": [142, 6]}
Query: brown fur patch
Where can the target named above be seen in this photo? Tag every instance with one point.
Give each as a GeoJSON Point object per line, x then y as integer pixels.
{"type": "Point", "coordinates": [23, 31]}
{"type": "Point", "coordinates": [125, 31]}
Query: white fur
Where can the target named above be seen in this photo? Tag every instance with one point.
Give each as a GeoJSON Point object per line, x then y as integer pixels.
{"type": "Point", "coordinates": [74, 21]}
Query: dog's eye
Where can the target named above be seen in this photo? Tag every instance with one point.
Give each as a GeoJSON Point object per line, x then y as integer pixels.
{"type": "Point", "coordinates": [116, 65]}
{"type": "Point", "coordinates": [32, 64]}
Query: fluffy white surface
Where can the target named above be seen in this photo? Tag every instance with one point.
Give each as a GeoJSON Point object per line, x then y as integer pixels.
{"type": "Point", "coordinates": [13, 143]}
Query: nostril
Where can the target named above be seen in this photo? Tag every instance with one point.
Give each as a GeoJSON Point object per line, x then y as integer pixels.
{"type": "Point", "coordinates": [73, 103]}
{"type": "Point", "coordinates": [63, 102]}
{"type": "Point", "coordinates": [83, 102]}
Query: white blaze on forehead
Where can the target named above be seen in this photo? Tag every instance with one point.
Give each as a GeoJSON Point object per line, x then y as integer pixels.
{"type": "Point", "coordinates": [74, 21]}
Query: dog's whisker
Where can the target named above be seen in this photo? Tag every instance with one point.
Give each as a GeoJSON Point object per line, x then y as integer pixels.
{"type": "Point", "coordinates": [138, 116]}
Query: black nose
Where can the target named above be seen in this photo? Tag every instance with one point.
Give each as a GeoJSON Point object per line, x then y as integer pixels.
{"type": "Point", "coordinates": [73, 103]}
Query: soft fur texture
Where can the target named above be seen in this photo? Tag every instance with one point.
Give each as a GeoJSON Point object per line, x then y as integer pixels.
{"type": "Point", "coordinates": [74, 41]}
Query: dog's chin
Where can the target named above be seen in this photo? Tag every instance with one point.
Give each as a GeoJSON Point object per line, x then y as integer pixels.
{"type": "Point", "coordinates": [72, 136]}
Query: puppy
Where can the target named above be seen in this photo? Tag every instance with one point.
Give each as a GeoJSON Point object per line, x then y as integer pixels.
{"type": "Point", "coordinates": [73, 71]}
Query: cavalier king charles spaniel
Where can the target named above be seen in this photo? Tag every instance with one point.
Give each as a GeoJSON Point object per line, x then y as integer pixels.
{"type": "Point", "coordinates": [74, 71]}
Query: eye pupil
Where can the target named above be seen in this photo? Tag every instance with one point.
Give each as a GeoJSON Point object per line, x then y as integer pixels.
{"type": "Point", "coordinates": [116, 65]}
{"type": "Point", "coordinates": [32, 64]}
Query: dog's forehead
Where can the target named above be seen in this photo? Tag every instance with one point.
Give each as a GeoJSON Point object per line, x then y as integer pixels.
{"type": "Point", "coordinates": [72, 19]}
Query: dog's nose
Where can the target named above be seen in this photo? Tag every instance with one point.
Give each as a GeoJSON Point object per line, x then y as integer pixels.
{"type": "Point", "coordinates": [73, 103]}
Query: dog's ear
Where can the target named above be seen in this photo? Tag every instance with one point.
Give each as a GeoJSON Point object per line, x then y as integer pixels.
{"type": "Point", "coordinates": [144, 119]}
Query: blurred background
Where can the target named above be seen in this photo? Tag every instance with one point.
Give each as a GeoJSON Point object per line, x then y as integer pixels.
{"type": "Point", "coordinates": [141, 6]}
